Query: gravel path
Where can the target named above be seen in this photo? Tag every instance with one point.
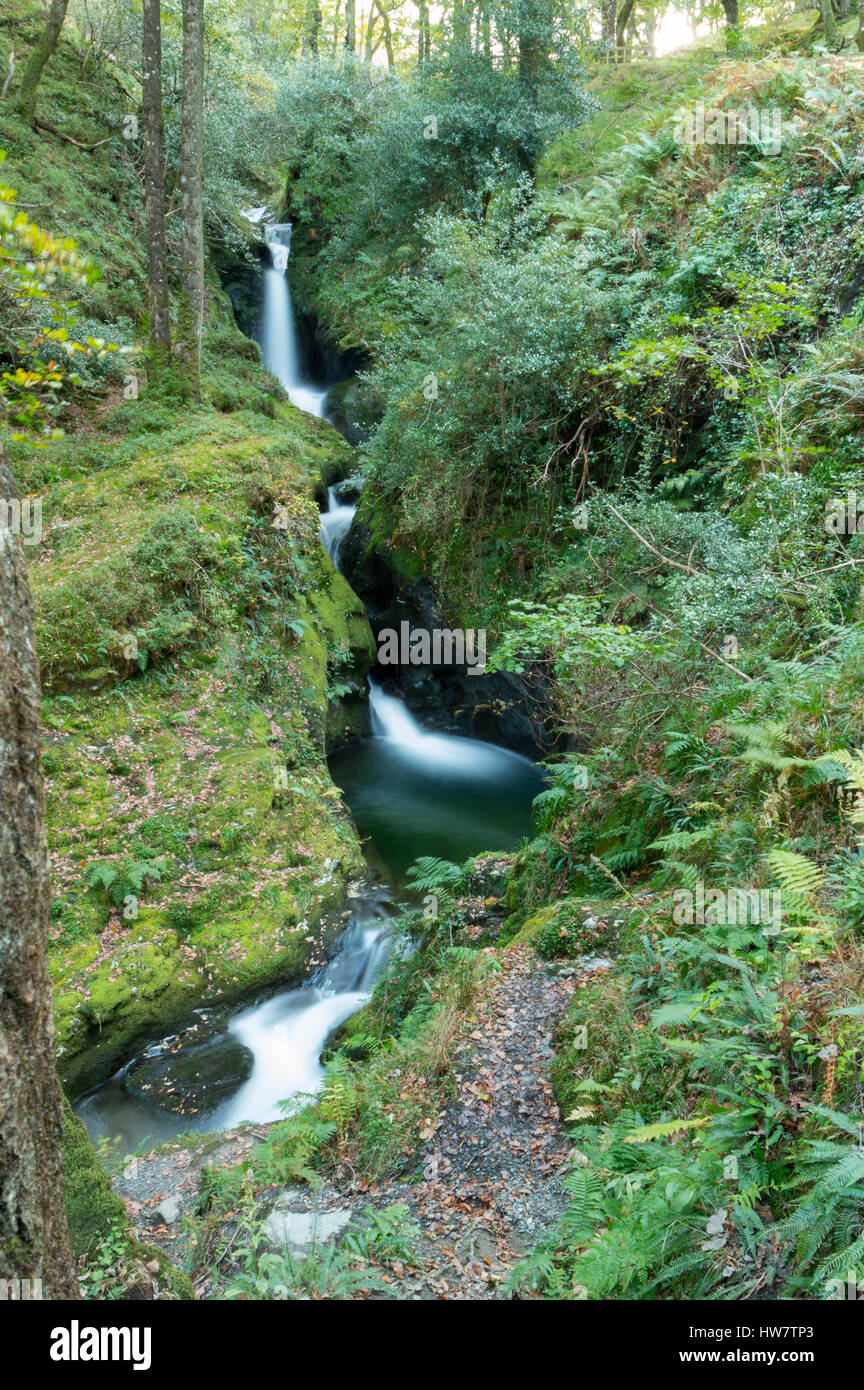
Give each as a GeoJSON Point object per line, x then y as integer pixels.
{"type": "Point", "coordinates": [491, 1173]}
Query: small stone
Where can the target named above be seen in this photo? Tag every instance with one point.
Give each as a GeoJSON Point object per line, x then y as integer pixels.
{"type": "Point", "coordinates": [167, 1211]}
{"type": "Point", "coordinates": [153, 1266]}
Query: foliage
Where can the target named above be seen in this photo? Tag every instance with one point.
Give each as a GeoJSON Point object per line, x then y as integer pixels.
{"type": "Point", "coordinates": [37, 346]}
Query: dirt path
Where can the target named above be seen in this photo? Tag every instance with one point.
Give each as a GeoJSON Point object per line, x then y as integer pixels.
{"type": "Point", "coordinates": [491, 1173]}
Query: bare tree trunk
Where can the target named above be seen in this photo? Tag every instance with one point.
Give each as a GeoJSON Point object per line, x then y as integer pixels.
{"type": "Point", "coordinates": [621, 23]}
{"type": "Point", "coordinates": [154, 185]}
{"type": "Point", "coordinates": [34, 1242]}
{"type": "Point", "coordinates": [650, 32]}
{"type": "Point", "coordinates": [350, 26]}
{"type": "Point", "coordinates": [422, 30]}
{"type": "Point", "coordinates": [373, 16]}
{"type": "Point", "coordinates": [45, 45]}
{"type": "Point", "coordinates": [191, 310]}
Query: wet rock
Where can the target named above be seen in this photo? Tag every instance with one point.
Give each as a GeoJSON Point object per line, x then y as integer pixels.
{"type": "Point", "coordinates": [193, 1080]}
{"type": "Point", "coordinates": [352, 412]}
{"type": "Point", "coordinates": [498, 707]}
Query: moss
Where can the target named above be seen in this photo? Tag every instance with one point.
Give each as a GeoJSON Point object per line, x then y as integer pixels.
{"type": "Point", "coordinates": [91, 1202]}
{"type": "Point", "coordinates": [190, 648]}
{"type": "Point", "coordinates": [93, 1208]}
{"type": "Point", "coordinates": [532, 925]}
{"type": "Point", "coordinates": [351, 1036]}
{"type": "Point", "coordinates": [574, 927]}
{"type": "Point", "coordinates": [211, 758]}
{"type": "Point", "coordinates": [603, 1009]}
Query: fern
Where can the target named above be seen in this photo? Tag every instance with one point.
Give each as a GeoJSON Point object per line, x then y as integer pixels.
{"type": "Point", "coordinates": [799, 878]}
{"type": "Point", "coordinates": [663, 1130]}
{"type": "Point", "coordinates": [430, 875]}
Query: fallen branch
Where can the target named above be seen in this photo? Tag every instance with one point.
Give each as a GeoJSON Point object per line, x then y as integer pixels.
{"type": "Point", "coordinates": [52, 130]}
{"type": "Point", "coordinates": [667, 559]}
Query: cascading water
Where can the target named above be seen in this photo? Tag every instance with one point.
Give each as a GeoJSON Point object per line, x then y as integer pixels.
{"type": "Point", "coordinates": [412, 792]}
{"type": "Point", "coordinates": [286, 1034]}
{"type": "Point", "coordinates": [278, 328]}
{"type": "Point", "coordinates": [335, 524]}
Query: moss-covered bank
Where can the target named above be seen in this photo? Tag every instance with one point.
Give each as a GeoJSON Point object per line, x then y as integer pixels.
{"type": "Point", "coordinates": [191, 631]}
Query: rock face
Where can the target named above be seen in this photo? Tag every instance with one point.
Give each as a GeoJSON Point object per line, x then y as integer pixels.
{"type": "Point", "coordinates": [349, 411]}
{"type": "Point", "coordinates": [501, 708]}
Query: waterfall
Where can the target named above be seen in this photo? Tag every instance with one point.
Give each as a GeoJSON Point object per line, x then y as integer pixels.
{"type": "Point", "coordinates": [278, 328]}
{"type": "Point", "coordinates": [335, 523]}
{"type": "Point", "coordinates": [463, 759]}
{"type": "Point", "coordinates": [391, 717]}
{"type": "Point", "coordinates": [286, 1034]}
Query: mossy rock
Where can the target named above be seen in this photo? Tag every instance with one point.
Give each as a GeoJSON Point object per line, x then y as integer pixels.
{"type": "Point", "coordinates": [574, 927]}
{"type": "Point", "coordinates": [351, 1037]}
{"type": "Point", "coordinates": [93, 1209]}
{"type": "Point", "coordinates": [191, 1081]}
{"type": "Point", "coordinates": [603, 1009]}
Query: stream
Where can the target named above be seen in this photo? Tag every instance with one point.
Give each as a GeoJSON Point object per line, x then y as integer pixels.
{"type": "Point", "coordinates": [412, 791]}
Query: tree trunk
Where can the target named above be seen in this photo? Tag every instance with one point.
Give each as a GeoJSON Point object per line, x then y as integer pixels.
{"type": "Point", "coordinates": [733, 30]}
{"type": "Point", "coordinates": [608, 8]}
{"type": "Point", "coordinates": [191, 309]}
{"type": "Point", "coordinates": [373, 16]}
{"type": "Point", "coordinates": [621, 23]}
{"type": "Point", "coordinates": [388, 33]}
{"type": "Point", "coordinates": [45, 45]}
{"type": "Point", "coordinates": [461, 28]}
{"type": "Point", "coordinates": [154, 185]}
{"type": "Point", "coordinates": [829, 22]}
{"type": "Point", "coordinates": [350, 26]}
{"type": "Point", "coordinates": [422, 29]}
{"type": "Point", "coordinates": [535, 25]}
{"type": "Point", "coordinates": [650, 33]}
{"type": "Point", "coordinates": [34, 1242]}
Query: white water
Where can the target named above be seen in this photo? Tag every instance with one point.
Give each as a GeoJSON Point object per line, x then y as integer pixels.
{"type": "Point", "coordinates": [469, 758]}
{"type": "Point", "coordinates": [335, 524]}
{"type": "Point", "coordinates": [391, 718]}
{"type": "Point", "coordinates": [287, 1033]}
{"type": "Point", "coordinates": [278, 328]}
